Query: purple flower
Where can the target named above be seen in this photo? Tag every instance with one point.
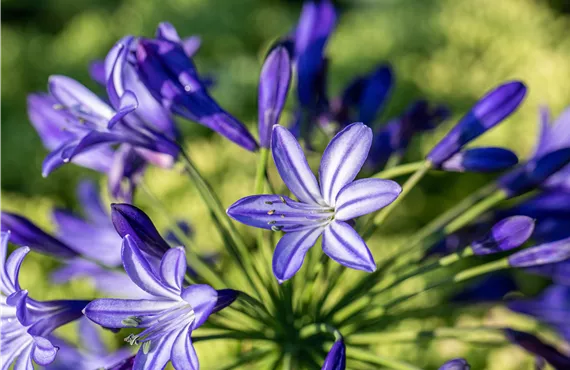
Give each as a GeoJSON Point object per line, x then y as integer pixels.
{"type": "Point", "coordinates": [543, 254]}
{"type": "Point", "coordinates": [553, 137]}
{"type": "Point", "coordinates": [26, 234]}
{"type": "Point", "coordinates": [92, 354]}
{"type": "Point", "coordinates": [506, 234]}
{"type": "Point", "coordinates": [552, 307]}
{"type": "Point", "coordinates": [395, 136]}
{"type": "Point", "coordinates": [364, 97]}
{"type": "Point", "coordinates": [25, 323]}
{"type": "Point", "coordinates": [323, 209]}
{"type": "Point", "coordinates": [316, 23]}
{"type": "Point", "coordinates": [130, 220]}
{"type": "Point", "coordinates": [537, 347]}
{"type": "Point", "coordinates": [480, 160]}
{"type": "Point", "coordinates": [169, 318]}
{"type": "Point", "coordinates": [172, 78]}
{"type": "Point", "coordinates": [491, 109]}
{"type": "Point", "coordinates": [558, 272]}
{"type": "Point", "coordinates": [336, 358]}
{"type": "Point", "coordinates": [273, 88]}
{"type": "Point", "coordinates": [456, 364]}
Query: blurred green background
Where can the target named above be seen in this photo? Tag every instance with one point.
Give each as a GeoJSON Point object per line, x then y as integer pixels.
{"type": "Point", "coordinates": [449, 51]}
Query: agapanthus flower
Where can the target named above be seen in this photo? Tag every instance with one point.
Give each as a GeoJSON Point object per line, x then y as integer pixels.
{"type": "Point", "coordinates": [25, 322]}
{"type": "Point", "coordinates": [336, 358]}
{"type": "Point", "coordinates": [172, 78]}
{"type": "Point", "coordinates": [552, 307]}
{"type": "Point", "coordinates": [480, 160]}
{"type": "Point", "coordinates": [323, 209]}
{"type": "Point", "coordinates": [364, 97]}
{"type": "Point", "coordinates": [543, 254]}
{"type": "Point", "coordinates": [554, 136]}
{"type": "Point", "coordinates": [537, 347]}
{"type": "Point", "coordinates": [505, 235]}
{"type": "Point", "coordinates": [456, 364]}
{"type": "Point", "coordinates": [490, 110]}
{"type": "Point", "coordinates": [169, 318]}
{"type": "Point", "coordinates": [91, 354]}
{"type": "Point", "coordinates": [273, 87]}
{"type": "Point", "coordinates": [394, 137]}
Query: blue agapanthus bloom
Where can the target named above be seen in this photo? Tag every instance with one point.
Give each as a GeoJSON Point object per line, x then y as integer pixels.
{"type": "Point", "coordinates": [324, 208]}
{"type": "Point", "coordinates": [26, 324]}
{"type": "Point", "coordinates": [456, 364]}
{"type": "Point", "coordinates": [169, 318]}
{"type": "Point", "coordinates": [336, 358]}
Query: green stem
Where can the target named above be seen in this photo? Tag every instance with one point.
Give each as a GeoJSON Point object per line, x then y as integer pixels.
{"type": "Point", "coordinates": [401, 170]}
{"type": "Point", "coordinates": [408, 185]}
{"type": "Point", "coordinates": [254, 303]}
{"type": "Point", "coordinates": [365, 356]}
{"type": "Point", "coordinates": [203, 270]}
{"type": "Point", "coordinates": [492, 200]}
{"type": "Point", "coordinates": [260, 174]}
{"type": "Point", "coordinates": [231, 335]}
{"type": "Point", "coordinates": [316, 328]}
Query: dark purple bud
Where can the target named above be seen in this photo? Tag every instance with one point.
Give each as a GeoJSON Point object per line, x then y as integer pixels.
{"type": "Point", "coordinates": [543, 254]}
{"type": "Point", "coordinates": [273, 87]}
{"type": "Point", "coordinates": [548, 204]}
{"type": "Point", "coordinates": [506, 234]}
{"type": "Point", "coordinates": [375, 93]}
{"type": "Point", "coordinates": [24, 233]}
{"type": "Point", "coordinates": [537, 347]}
{"type": "Point", "coordinates": [172, 78]}
{"type": "Point", "coordinates": [480, 160]}
{"type": "Point", "coordinates": [534, 172]}
{"type": "Point", "coordinates": [456, 364]}
{"type": "Point", "coordinates": [491, 109]}
{"type": "Point", "coordinates": [336, 358]}
{"type": "Point", "coordinates": [129, 220]}
{"type": "Point", "coordinates": [225, 298]}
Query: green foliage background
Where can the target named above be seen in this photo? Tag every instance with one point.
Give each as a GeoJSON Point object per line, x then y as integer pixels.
{"type": "Point", "coordinates": [449, 51]}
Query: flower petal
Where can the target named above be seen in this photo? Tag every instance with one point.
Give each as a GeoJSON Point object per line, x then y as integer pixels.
{"type": "Point", "coordinates": [166, 31]}
{"type": "Point", "coordinates": [480, 160]}
{"type": "Point", "coordinates": [336, 358]}
{"type": "Point", "coordinates": [173, 268]}
{"type": "Point", "coordinates": [111, 313]}
{"type": "Point", "coordinates": [184, 355]}
{"type": "Point", "coordinates": [97, 71]}
{"type": "Point", "coordinates": [24, 360]}
{"type": "Point", "coordinates": [293, 167]}
{"type": "Point", "coordinates": [158, 355]}
{"type": "Point", "coordinates": [140, 271]}
{"type": "Point", "coordinates": [543, 254]}
{"type": "Point", "coordinates": [90, 337]}
{"type": "Point", "coordinates": [365, 196]}
{"type": "Point", "coordinates": [43, 351]}
{"type": "Point", "coordinates": [343, 158]}
{"type": "Point", "coordinates": [203, 299]}
{"type": "Point", "coordinates": [342, 243]}
{"type": "Point", "coordinates": [11, 270]}
{"type": "Point", "coordinates": [276, 212]}
{"type": "Point", "coordinates": [290, 252]}
{"type": "Point", "coordinates": [375, 93]}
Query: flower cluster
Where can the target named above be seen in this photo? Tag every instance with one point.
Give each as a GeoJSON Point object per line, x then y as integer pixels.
{"type": "Point", "coordinates": [285, 300]}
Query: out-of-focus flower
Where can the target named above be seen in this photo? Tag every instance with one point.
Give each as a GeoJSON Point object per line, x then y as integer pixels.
{"type": "Point", "coordinates": [490, 288]}
{"type": "Point", "coordinates": [273, 87]}
{"type": "Point", "coordinates": [92, 354]}
{"type": "Point", "coordinates": [506, 234]}
{"type": "Point", "coordinates": [169, 318]}
{"type": "Point", "coordinates": [480, 160]}
{"type": "Point", "coordinates": [336, 358]}
{"type": "Point", "coordinates": [321, 209]}
{"type": "Point", "coordinates": [543, 254]}
{"type": "Point", "coordinates": [537, 347]}
{"type": "Point", "coordinates": [456, 364]}
{"type": "Point", "coordinates": [25, 322]}
{"type": "Point", "coordinates": [172, 78]}
{"type": "Point", "coordinates": [552, 307]}
{"type": "Point", "coordinates": [490, 110]}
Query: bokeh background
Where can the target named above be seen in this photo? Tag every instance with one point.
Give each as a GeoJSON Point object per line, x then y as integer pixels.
{"type": "Point", "coordinates": [448, 51]}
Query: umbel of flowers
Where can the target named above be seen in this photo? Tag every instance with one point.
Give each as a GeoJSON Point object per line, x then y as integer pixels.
{"type": "Point", "coordinates": [291, 306]}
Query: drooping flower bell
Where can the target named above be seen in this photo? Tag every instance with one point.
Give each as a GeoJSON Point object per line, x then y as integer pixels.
{"type": "Point", "coordinates": [490, 110]}
{"type": "Point", "coordinates": [26, 324]}
{"type": "Point", "coordinates": [172, 78]}
{"type": "Point", "coordinates": [323, 209]}
{"type": "Point", "coordinates": [169, 318]}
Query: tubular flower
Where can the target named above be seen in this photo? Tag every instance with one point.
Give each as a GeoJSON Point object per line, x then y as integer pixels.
{"type": "Point", "coordinates": [336, 358]}
{"type": "Point", "coordinates": [25, 322]}
{"type": "Point", "coordinates": [323, 209]}
{"type": "Point", "coordinates": [169, 318]}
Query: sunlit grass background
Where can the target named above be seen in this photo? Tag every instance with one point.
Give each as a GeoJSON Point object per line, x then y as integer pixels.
{"type": "Point", "coordinates": [449, 51]}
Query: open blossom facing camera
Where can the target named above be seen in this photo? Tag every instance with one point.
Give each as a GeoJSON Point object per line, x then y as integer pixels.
{"type": "Point", "coordinates": [169, 318]}
{"type": "Point", "coordinates": [322, 209]}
